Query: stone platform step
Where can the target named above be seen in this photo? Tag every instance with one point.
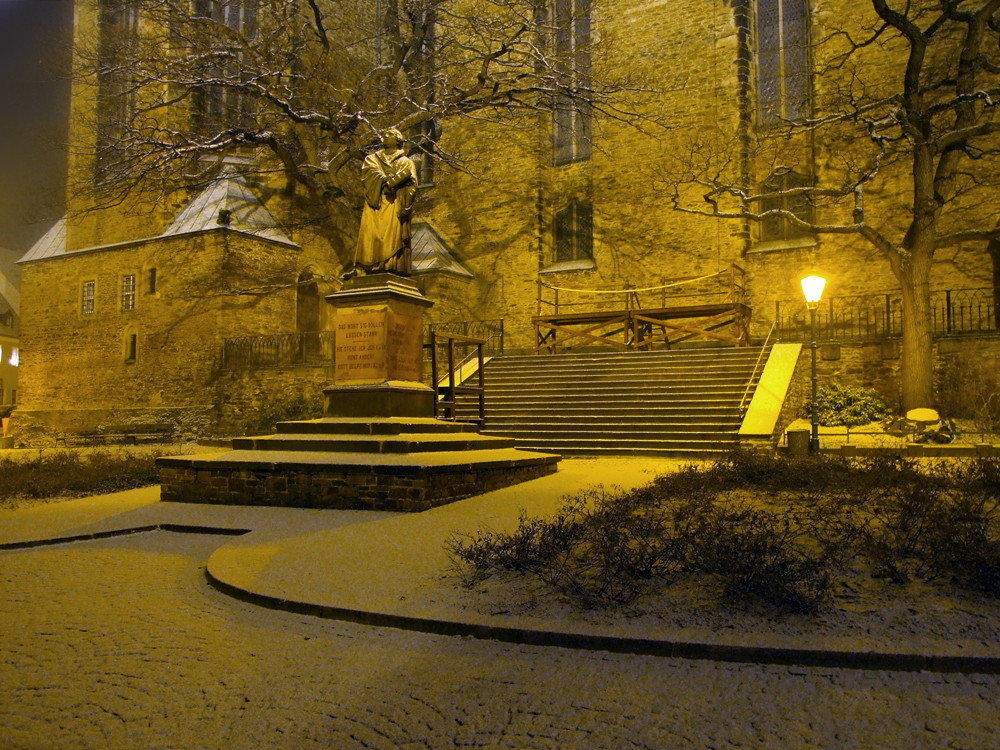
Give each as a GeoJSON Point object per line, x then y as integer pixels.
{"type": "Point", "coordinates": [707, 452]}
{"type": "Point", "coordinates": [365, 426]}
{"type": "Point", "coordinates": [379, 464]}
{"type": "Point", "coordinates": [398, 443]}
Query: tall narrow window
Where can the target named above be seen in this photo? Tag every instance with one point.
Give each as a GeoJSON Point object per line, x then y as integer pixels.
{"type": "Point", "coordinates": [222, 103]}
{"type": "Point", "coordinates": [571, 109]}
{"type": "Point", "coordinates": [574, 232]}
{"type": "Point", "coordinates": [131, 345]}
{"type": "Point", "coordinates": [118, 25]}
{"type": "Point", "coordinates": [783, 87]}
{"type": "Point", "coordinates": [87, 297]}
{"type": "Point", "coordinates": [128, 292]}
{"type": "Point", "coordinates": [151, 281]}
{"type": "Point", "coordinates": [778, 227]}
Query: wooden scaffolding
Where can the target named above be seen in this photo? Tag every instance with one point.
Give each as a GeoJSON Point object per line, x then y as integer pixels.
{"type": "Point", "coordinates": [712, 307]}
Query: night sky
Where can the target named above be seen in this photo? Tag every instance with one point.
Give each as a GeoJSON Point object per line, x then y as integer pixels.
{"type": "Point", "coordinates": [35, 36]}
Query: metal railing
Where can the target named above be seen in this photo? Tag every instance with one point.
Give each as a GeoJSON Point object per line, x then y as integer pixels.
{"type": "Point", "coordinates": [874, 317]}
{"type": "Point", "coordinates": [446, 397]}
{"type": "Point", "coordinates": [490, 331]}
{"type": "Point", "coordinates": [758, 365]}
{"type": "Point", "coordinates": [317, 348]}
{"type": "Point", "coordinates": [277, 350]}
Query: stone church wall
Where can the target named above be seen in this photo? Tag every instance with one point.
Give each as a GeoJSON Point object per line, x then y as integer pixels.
{"type": "Point", "coordinates": [499, 216]}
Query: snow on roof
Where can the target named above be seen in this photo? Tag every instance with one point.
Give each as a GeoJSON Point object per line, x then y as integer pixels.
{"type": "Point", "coordinates": [227, 202]}
{"type": "Point", "coordinates": [431, 253]}
{"type": "Point", "coordinates": [9, 295]}
{"type": "Point", "coordinates": [53, 242]}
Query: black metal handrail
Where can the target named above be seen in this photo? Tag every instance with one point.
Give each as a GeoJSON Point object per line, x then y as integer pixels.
{"type": "Point", "coordinates": [757, 366]}
{"type": "Point", "coordinates": [874, 317]}
{"type": "Point", "coordinates": [490, 331]}
{"type": "Point", "coordinates": [446, 398]}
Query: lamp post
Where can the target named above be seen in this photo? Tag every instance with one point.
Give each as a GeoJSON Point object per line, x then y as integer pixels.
{"type": "Point", "coordinates": [812, 287]}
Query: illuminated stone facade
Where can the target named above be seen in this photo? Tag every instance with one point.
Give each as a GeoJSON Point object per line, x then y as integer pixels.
{"type": "Point", "coordinates": [578, 203]}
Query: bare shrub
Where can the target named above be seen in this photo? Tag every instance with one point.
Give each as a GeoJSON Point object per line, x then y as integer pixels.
{"type": "Point", "coordinates": [765, 529]}
{"type": "Point", "coordinates": [72, 472]}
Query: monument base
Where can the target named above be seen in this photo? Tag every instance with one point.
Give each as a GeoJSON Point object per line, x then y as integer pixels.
{"type": "Point", "coordinates": [388, 399]}
{"type": "Point", "coordinates": [378, 445]}
{"type": "Point", "coordinates": [400, 464]}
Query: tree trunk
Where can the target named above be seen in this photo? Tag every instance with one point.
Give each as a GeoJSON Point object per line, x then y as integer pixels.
{"type": "Point", "coordinates": [917, 370]}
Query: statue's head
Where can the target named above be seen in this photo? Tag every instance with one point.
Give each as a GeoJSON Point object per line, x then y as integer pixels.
{"type": "Point", "coordinates": [392, 139]}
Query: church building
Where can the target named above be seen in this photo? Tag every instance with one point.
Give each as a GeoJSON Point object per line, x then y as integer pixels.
{"type": "Point", "coordinates": [686, 154]}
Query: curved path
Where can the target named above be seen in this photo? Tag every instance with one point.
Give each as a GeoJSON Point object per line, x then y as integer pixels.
{"type": "Point", "coordinates": [118, 642]}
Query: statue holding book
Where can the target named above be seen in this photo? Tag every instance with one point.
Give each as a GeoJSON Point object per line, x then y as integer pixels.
{"type": "Point", "coordinates": [389, 178]}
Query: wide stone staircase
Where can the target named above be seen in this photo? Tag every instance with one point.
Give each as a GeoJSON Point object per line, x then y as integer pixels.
{"type": "Point", "coordinates": [677, 403]}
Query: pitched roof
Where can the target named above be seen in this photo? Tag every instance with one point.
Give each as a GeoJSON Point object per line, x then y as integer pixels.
{"type": "Point", "coordinates": [227, 202]}
{"type": "Point", "coordinates": [53, 242]}
{"type": "Point", "coordinates": [431, 253]}
{"type": "Point", "coordinates": [8, 265]}
{"type": "Point", "coordinates": [9, 295]}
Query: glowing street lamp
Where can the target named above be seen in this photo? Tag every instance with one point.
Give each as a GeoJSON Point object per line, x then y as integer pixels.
{"type": "Point", "coordinates": [812, 287]}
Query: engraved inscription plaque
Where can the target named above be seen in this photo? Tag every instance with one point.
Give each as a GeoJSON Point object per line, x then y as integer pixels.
{"type": "Point", "coordinates": [406, 350]}
{"type": "Point", "coordinates": [360, 343]}
{"type": "Point", "coordinates": [377, 346]}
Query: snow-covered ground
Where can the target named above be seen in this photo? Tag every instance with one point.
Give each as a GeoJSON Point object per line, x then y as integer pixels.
{"type": "Point", "coordinates": [121, 644]}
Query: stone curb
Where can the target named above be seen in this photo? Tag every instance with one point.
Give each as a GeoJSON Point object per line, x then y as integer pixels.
{"type": "Point", "coordinates": [176, 527]}
{"type": "Point", "coordinates": [764, 655]}
{"type": "Point", "coordinates": [869, 660]}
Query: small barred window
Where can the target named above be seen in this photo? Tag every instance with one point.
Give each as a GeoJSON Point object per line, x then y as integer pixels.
{"type": "Point", "coordinates": [87, 298]}
{"type": "Point", "coordinates": [128, 292]}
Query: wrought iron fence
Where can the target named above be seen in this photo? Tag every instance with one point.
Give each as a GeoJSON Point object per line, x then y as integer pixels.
{"type": "Point", "coordinates": [867, 317]}
{"type": "Point", "coordinates": [304, 349]}
{"type": "Point", "coordinates": [277, 350]}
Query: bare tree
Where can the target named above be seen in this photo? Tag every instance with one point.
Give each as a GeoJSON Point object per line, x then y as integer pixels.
{"type": "Point", "coordinates": [904, 121]}
{"type": "Point", "coordinates": [304, 87]}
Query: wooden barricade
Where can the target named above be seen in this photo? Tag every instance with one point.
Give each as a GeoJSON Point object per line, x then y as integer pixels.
{"type": "Point", "coordinates": [617, 319]}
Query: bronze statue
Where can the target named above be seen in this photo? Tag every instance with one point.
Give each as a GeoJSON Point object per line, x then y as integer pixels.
{"type": "Point", "coordinates": [389, 178]}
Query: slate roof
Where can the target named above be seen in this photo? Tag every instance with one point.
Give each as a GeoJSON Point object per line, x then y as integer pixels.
{"type": "Point", "coordinates": [53, 242]}
{"type": "Point", "coordinates": [431, 253]}
{"type": "Point", "coordinates": [227, 199]}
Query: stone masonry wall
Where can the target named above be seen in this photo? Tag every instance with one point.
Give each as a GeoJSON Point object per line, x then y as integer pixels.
{"type": "Point", "coordinates": [209, 286]}
{"type": "Point", "coordinates": [875, 365]}
{"type": "Point", "coordinates": [498, 216]}
{"type": "Point", "coordinates": [358, 487]}
{"type": "Point", "coordinates": [239, 396]}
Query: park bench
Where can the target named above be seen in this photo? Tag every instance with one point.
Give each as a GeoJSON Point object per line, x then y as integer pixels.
{"type": "Point", "coordinates": [130, 434]}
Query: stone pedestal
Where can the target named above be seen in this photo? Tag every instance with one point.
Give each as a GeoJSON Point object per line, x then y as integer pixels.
{"type": "Point", "coordinates": [378, 447]}
{"type": "Point", "coordinates": [378, 340]}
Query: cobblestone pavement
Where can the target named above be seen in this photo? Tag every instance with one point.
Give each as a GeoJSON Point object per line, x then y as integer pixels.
{"type": "Point", "coordinates": [122, 644]}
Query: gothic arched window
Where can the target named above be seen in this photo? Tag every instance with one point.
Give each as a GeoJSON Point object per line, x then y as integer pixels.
{"type": "Point", "coordinates": [229, 25]}
{"type": "Point", "coordinates": [571, 111]}
{"type": "Point", "coordinates": [783, 75]}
